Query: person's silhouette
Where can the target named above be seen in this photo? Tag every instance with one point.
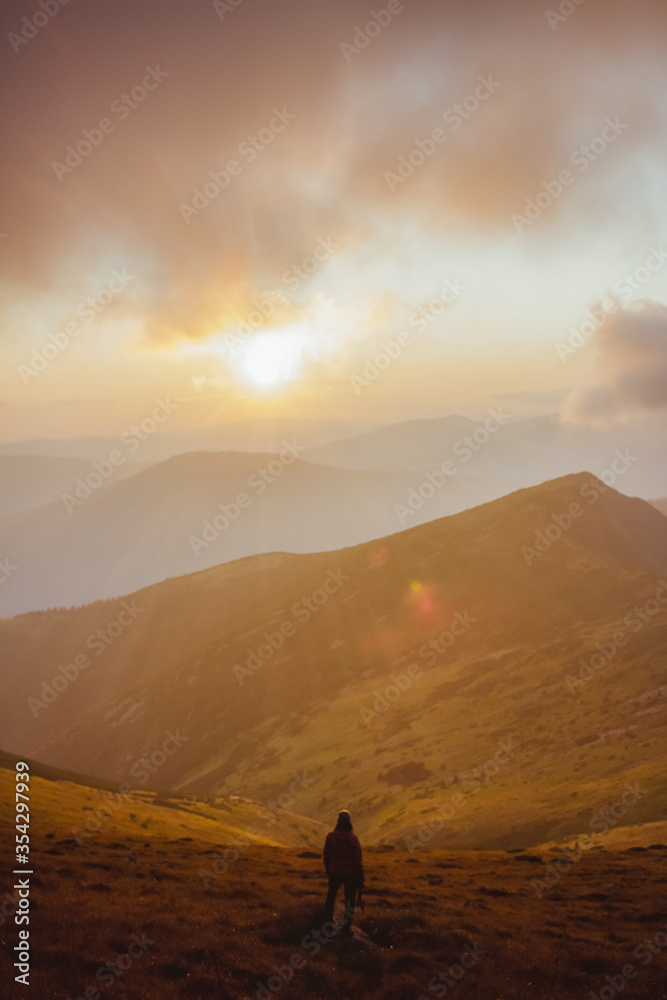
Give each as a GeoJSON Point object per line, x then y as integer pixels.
{"type": "Point", "coordinates": [344, 866]}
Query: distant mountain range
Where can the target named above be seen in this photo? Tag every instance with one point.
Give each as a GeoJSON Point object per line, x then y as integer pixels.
{"type": "Point", "coordinates": [519, 451]}
{"type": "Point", "coordinates": [527, 452]}
{"type": "Point", "coordinates": [245, 435]}
{"type": "Point", "coordinates": [185, 514]}
{"type": "Point", "coordinates": [497, 674]}
{"type": "Point", "coordinates": [28, 481]}
{"type": "Point", "coordinates": [152, 517]}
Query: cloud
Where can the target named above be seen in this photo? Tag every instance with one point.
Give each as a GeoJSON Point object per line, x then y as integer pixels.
{"type": "Point", "coordinates": [324, 174]}
{"type": "Point", "coordinates": [631, 365]}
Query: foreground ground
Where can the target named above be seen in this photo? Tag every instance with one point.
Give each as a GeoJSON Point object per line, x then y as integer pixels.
{"type": "Point", "coordinates": [204, 920]}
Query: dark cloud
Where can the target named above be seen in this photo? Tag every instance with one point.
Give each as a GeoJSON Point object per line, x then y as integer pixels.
{"type": "Point", "coordinates": [631, 361]}
{"type": "Point", "coordinates": [325, 173]}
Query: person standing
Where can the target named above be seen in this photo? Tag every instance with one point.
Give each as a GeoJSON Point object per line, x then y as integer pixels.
{"type": "Point", "coordinates": [343, 864]}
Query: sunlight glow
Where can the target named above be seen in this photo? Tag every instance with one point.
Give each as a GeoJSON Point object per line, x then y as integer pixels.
{"type": "Point", "coordinates": [275, 357]}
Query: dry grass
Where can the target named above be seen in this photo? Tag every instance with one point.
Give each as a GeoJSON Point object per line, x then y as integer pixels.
{"type": "Point", "coordinates": [224, 940]}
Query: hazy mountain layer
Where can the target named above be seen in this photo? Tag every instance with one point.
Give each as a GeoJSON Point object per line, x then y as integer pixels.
{"type": "Point", "coordinates": [105, 537]}
{"type": "Point", "coordinates": [632, 458]}
{"type": "Point", "coordinates": [28, 481]}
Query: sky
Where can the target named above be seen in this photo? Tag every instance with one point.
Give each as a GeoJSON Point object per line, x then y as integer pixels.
{"type": "Point", "coordinates": [243, 206]}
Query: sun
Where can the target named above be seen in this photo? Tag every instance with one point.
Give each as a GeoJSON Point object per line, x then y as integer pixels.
{"type": "Point", "coordinates": [271, 358]}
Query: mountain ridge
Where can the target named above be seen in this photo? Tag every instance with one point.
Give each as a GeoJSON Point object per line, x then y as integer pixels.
{"type": "Point", "coordinates": [115, 538]}
{"type": "Point", "coordinates": [314, 665]}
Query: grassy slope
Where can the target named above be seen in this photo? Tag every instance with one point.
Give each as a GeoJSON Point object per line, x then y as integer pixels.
{"type": "Point", "coordinates": [221, 939]}
{"type": "Point", "coordinates": [573, 755]}
{"type": "Point", "coordinates": [505, 679]}
{"type": "Point", "coordinates": [131, 812]}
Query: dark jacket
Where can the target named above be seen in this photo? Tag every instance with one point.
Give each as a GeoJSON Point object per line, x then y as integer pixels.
{"type": "Point", "coordinates": [342, 854]}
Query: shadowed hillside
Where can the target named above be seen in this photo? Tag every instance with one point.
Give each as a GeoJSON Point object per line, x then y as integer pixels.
{"type": "Point", "coordinates": [455, 658]}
